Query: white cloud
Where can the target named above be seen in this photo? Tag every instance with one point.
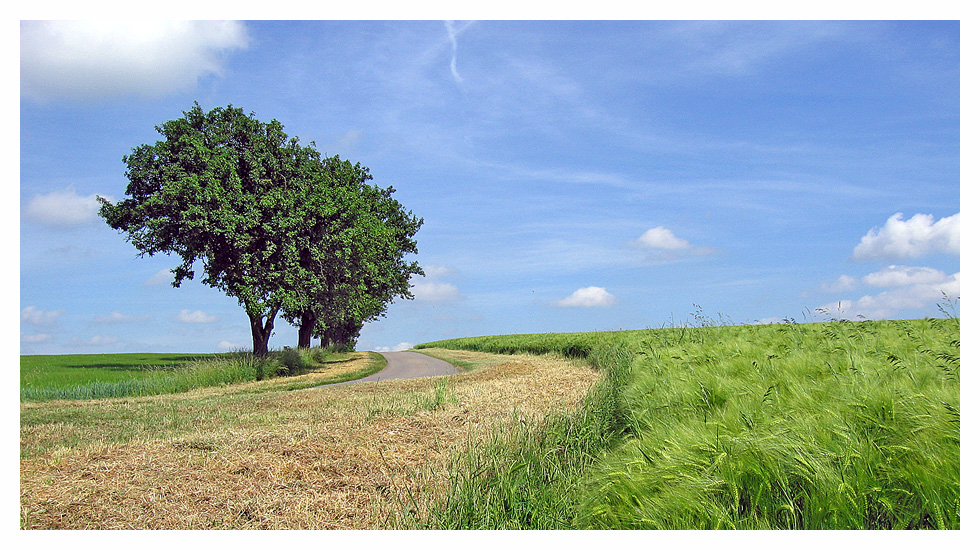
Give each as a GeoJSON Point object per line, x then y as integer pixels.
{"type": "Point", "coordinates": [844, 282]}
{"type": "Point", "coordinates": [36, 316]}
{"type": "Point", "coordinates": [918, 236]}
{"type": "Point", "coordinates": [900, 275]}
{"type": "Point", "coordinates": [400, 347]}
{"type": "Point", "coordinates": [188, 316]}
{"type": "Point", "coordinates": [63, 209]}
{"type": "Point", "coordinates": [661, 238]}
{"type": "Point", "coordinates": [34, 338]}
{"type": "Point", "coordinates": [901, 298]}
{"type": "Point", "coordinates": [591, 296]}
{"type": "Point", "coordinates": [96, 59]}
{"type": "Point", "coordinates": [661, 245]}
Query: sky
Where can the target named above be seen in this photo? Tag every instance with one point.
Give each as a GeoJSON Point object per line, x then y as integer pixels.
{"type": "Point", "coordinates": [572, 175]}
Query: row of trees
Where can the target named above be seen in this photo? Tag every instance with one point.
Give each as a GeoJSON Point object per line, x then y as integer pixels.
{"type": "Point", "coordinates": [275, 225]}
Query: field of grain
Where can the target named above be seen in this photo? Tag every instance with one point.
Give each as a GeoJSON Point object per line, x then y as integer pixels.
{"type": "Point", "coordinates": [840, 425]}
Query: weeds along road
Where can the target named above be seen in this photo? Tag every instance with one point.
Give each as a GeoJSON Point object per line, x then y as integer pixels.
{"type": "Point", "coordinates": [406, 364]}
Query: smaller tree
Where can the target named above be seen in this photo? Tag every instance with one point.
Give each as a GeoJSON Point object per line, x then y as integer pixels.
{"type": "Point", "coordinates": [352, 254]}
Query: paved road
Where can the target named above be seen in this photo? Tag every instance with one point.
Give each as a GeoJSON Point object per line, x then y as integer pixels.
{"type": "Point", "coordinates": [407, 364]}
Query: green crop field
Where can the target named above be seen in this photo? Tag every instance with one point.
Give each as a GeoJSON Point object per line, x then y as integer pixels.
{"type": "Point", "coordinates": [74, 370]}
{"type": "Point", "coordinates": [97, 376]}
{"type": "Point", "coordinates": [841, 425]}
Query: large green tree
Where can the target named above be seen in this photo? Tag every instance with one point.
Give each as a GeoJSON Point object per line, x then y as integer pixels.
{"type": "Point", "coordinates": [256, 209]}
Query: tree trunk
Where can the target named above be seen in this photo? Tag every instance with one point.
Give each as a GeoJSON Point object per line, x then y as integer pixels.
{"type": "Point", "coordinates": [262, 331]}
{"type": "Point", "coordinates": [306, 324]}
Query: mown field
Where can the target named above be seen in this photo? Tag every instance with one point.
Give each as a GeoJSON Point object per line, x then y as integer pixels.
{"type": "Point", "coordinates": [278, 453]}
{"type": "Point", "coordinates": [838, 425]}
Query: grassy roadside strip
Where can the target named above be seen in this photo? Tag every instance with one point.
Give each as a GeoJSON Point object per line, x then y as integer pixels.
{"type": "Point", "coordinates": [526, 477]}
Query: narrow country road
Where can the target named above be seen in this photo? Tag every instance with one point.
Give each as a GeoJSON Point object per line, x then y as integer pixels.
{"type": "Point", "coordinates": [406, 364]}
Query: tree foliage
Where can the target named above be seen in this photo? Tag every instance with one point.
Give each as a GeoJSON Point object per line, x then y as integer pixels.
{"type": "Point", "coordinates": [352, 256]}
{"type": "Point", "coordinates": [273, 224]}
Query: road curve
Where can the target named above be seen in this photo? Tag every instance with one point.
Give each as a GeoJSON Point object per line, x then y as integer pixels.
{"type": "Point", "coordinates": [407, 364]}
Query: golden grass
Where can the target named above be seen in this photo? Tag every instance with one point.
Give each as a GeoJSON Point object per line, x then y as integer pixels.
{"type": "Point", "coordinates": [254, 457]}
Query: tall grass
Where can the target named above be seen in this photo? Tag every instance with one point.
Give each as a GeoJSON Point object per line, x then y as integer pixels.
{"type": "Point", "coordinates": [832, 426]}
{"type": "Point", "coordinates": [841, 425]}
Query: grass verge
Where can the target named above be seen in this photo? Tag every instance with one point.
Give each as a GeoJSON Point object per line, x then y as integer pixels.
{"type": "Point", "coordinates": [525, 474]}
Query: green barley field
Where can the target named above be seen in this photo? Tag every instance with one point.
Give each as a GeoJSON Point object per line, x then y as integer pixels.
{"type": "Point", "coordinates": [838, 425]}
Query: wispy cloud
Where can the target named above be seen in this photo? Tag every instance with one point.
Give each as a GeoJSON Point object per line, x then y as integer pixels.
{"type": "Point", "coordinates": [34, 338]}
{"type": "Point", "coordinates": [711, 49]}
{"type": "Point", "coordinates": [101, 340]}
{"type": "Point", "coordinates": [116, 317]}
{"type": "Point", "coordinates": [36, 316]}
{"type": "Point", "coordinates": [452, 39]}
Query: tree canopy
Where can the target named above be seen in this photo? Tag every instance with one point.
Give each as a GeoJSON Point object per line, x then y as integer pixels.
{"type": "Point", "coordinates": [273, 224]}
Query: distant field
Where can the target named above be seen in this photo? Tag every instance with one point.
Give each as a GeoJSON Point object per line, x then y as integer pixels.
{"type": "Point", "coordinates": [97, 376]}
{"type": "Point", "coordinates": [72, 370]}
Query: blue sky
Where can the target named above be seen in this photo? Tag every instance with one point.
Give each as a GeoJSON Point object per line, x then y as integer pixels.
{"type": "Point", "coordinates": [572, 175]}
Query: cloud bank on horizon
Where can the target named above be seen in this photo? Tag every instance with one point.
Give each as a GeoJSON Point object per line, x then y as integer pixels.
{"type": "Point", "coordinates": [572, 175]}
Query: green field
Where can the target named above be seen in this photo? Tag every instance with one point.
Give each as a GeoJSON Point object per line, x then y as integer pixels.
{"type": "Point", "coordinates": [842, 425]}
{"type": "Point", "coordinates": [97, 376]}
{"type": "Point", "coordinates": [73, 370]}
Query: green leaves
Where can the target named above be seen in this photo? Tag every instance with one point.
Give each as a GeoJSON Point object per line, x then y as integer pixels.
{"type": "Point", "coordinates": [274, 225]}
